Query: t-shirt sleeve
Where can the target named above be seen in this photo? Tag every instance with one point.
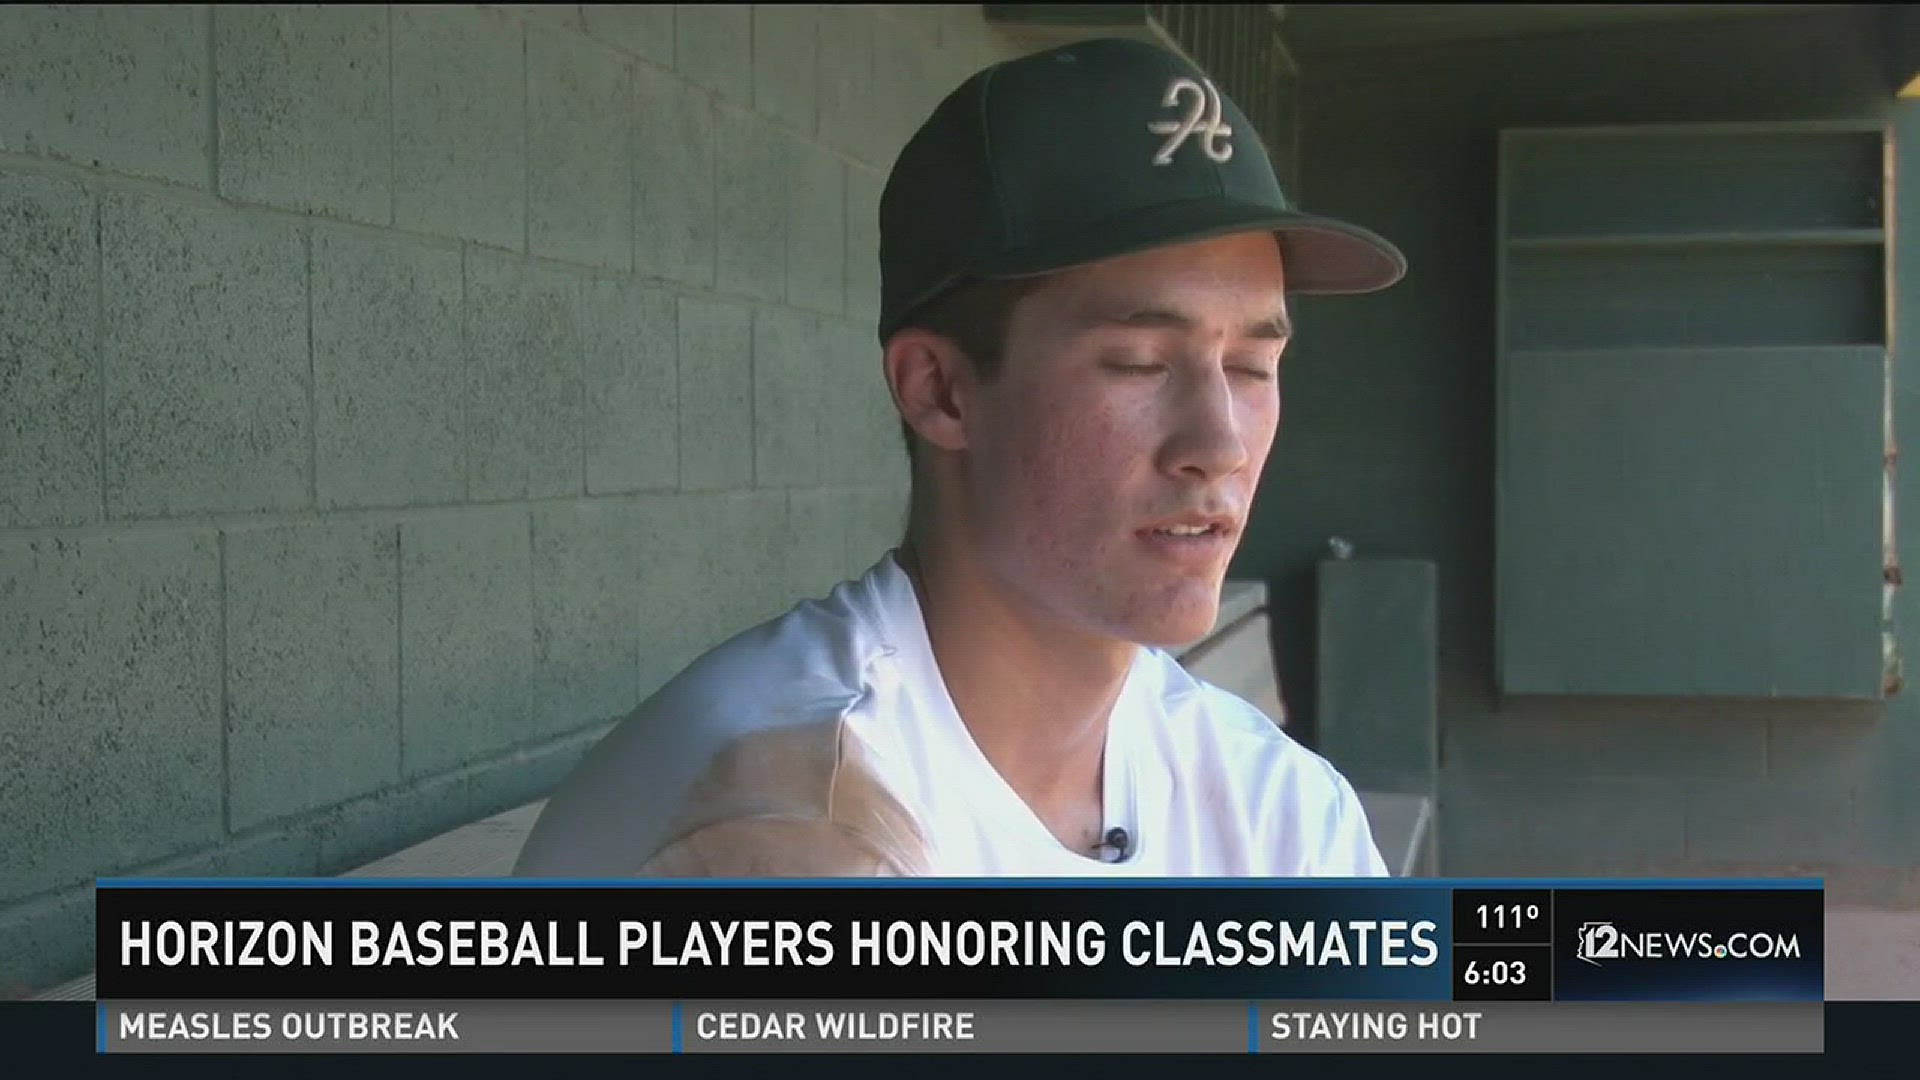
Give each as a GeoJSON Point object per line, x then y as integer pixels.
{"type": "Point", "coordinates": [1350, 850]}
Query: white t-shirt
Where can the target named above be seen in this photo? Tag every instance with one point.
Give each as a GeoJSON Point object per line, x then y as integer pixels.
{"type": "Point", "coordinates": [795, 718]}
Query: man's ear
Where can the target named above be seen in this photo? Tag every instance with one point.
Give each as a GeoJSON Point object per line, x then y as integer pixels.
{"type": "Point", "coordinates": [930, 379]}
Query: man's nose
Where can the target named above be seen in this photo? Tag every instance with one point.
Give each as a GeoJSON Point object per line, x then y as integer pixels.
{"type": "Point", "coordinates": [1207, 440]}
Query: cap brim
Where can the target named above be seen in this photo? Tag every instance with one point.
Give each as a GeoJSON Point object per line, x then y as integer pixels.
{"type": "Point", "coordinates": [1320, 256]}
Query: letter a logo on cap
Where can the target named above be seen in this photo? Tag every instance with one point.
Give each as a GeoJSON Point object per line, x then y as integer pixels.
{"type": "Point", "coordinates": [1203, 115]}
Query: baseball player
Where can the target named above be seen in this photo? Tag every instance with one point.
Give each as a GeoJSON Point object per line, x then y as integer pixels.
{"type": "Point", "coordinates": [1085, 259]}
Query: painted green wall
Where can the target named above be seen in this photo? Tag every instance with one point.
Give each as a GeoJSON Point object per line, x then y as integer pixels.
{"type": "Point", "coordinates": [1388, 441]}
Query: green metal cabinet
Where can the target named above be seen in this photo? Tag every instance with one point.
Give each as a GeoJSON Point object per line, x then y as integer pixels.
{"type": "Point", "coordinates": [1692, 410]}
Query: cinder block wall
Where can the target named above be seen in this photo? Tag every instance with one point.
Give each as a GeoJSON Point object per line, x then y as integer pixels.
{"type": "Point", "coordinates": [392, 397]}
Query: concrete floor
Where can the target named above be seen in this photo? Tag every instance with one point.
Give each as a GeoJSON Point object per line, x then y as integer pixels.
{"type": "Point", "coordinates": [1873, 954]}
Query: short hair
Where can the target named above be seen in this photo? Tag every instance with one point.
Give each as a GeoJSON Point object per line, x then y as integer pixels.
{"type": "Point", "coordinates": [975, 316]}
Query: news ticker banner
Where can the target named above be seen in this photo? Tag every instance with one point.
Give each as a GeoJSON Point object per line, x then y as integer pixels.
{"type": "Point", "coordinates": [1180, 1026]}
{"type": "Point", "coordinates": [176, 959]}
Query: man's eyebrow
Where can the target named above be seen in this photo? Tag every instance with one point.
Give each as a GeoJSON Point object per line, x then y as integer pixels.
{"type": "Point", "coordinates": [1274, 326]}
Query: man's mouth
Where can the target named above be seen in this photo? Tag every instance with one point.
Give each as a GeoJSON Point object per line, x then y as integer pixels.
{"type": "Point", "coordinates": [1198, 541]}
{"type": "Point", "coordinates": [1187, 531]}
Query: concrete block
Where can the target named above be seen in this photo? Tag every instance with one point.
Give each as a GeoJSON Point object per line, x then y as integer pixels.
{"type": "Point", "coordinates": [585, 627]}
{"type": "Point", "coordinates": [204, 341]}
{"type": "Point", "coordinates": [751, 188]}
{"type": "Point", "coordinates": [963, 28]}
{"type": "Point", "coordinates": [484, 847]}
{"type": "Point", "coordinates": [692, 595]}
{"type": "Point", "coordinates": [756, 533]}
{"type": "Point", "coordinates": [876, 522]}
{"type": "Point", "coordinates": [786, 44]}
{"type": "Point", "coordinates": [1497, 822]}
{"type": "Point", "coordinates": [791, 398]}
{"type": "Point", "coordinates": [970, 43]}
{"type": "Point", "coordinates": [906, 88]}
{"type": "Point", "coordinates": [529, 774]}
{"type": "Point", "coordinates": [364, 829]}
{"type": "Point", "coordinates": [1674, 738]}
{"type": "Point", "coordinates": [313, 667]}
{"type": "Point", "coordinates": [713, 46]}
{"type": "Point", "coordinates": [47, 942]}
{"type": "Point", "coordinates": [558, 16]}
{"type": "Point", "coordinates": [716, 393]}
{"type": "Point", "coordinates": [675, 208]}
{"type": "Point", "coordinates": [846, 101]}
{"type": "Point", "coordinates": [879, 453]}
{"type": "Point", "coordinates": [119, 87]}
{"type": "Point", "coordinates": [1771, 821]}
{"type": "Point", "coordinates": [505, 805]}
{"type": "Point", "coordinates": [110, 685]}
{"type": "Point", "coordinates": [466, 639]}
{"type": "Point", "coordinates": [1836, 742]}
{"type": "Point", "coordinates": [1887, 817]}
{"type": "Point", "coordinates": [274, 853]}
{"type": "Point", "coordinates": [524, 381]}
{"type": "Point", "coordinates": [631, 352]}
{"type": "Point", "coordinates": [945, 70]}
{"type": "Point", "coordinates": [863, 245]}
{"type": "Point", "coordinates": [919, 21]}
{"type": "Point", "coordinates": [460, 124]}
{"type": "Point", "coordinates": [860, 429]}
{"type": "Point", "coordinates": [643, 30]}
{"type": "Point", "coordinates": [885, 460]}
{"type": "Point", "coordinates": [842, 420]}
{"type": "Point", "coordinates": [961, 23]}
{"type": "Point", "coordinates": [864, 427]}
{"type": "Point", "coordinates": [580, 169]}
{"type": "Point", "coordinates": [867, 450]}
{"type": "Point", "coordinates": [49, 426]}
{"type": "Point", "coordinates": [387, 366]}
{"type": "Point", "coordinates": [50, 941]}
{"type": "Point", "coordinates": [819, 520]}
{"type": "Point", "coordinates": [305, 108]}
{"type": "Point", "coordinates": [817, 230]}
{"type": "Point", "coordinates": [675, 620]}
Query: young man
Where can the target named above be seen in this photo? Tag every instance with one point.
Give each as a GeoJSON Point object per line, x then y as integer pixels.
{"type": "Point", "coordinates": [1085, 258]}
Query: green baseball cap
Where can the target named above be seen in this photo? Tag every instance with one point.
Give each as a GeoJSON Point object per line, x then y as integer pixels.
{"type": "Point", "coordinates": [1088, 151]}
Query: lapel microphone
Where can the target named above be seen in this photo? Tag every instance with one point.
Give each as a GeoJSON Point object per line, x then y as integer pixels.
{"type": "Point", "coordinates": [1118, 842]}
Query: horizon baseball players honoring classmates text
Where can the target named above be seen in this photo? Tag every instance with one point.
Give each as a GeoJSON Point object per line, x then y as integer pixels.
{"type": "Point", "coordinates": [775, 943]}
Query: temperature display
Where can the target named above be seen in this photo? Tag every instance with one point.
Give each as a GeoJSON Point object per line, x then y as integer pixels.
{"type": "Point", "coordinates": [1502, 916]}
{"type": "Point", "coordinates": [1506, 916]}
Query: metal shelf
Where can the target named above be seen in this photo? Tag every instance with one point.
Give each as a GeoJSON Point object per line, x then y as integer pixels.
{"type": "Point", "coordinates": [1682, 241]}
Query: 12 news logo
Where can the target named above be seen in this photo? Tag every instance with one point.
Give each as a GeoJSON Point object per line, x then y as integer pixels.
{"type": "Point", "coordinates": [1599, 941]}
